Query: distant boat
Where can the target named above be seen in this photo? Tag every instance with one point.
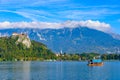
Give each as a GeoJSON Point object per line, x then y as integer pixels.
{"type": "Point", "coordinates": [95, 62]}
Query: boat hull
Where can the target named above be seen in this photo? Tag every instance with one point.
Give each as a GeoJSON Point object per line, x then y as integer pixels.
{"type": "Point", "coordinates": [96, 64]}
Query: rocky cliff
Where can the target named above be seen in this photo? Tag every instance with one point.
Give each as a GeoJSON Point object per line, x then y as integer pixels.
{"type": "Point", "coordinates": [22, 38]}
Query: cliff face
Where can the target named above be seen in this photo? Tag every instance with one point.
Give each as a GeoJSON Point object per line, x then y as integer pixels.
{"type": "Point", "coordinates": [22, 38]}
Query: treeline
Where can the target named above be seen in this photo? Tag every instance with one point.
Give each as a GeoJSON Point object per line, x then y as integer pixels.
{"type": "Point", "coordinates": [10, 51]}
{"type": "Point", "coordinates": [110, 56]}
{"type": "Point", "coordinates": [87, 56]}
{"type": "Point", "coordinates": [76, 57]}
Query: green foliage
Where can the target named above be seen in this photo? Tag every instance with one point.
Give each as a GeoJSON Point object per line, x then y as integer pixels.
{"type": "Point", "coordinates": [87, 56]}
{"type": "Point", "coordinates": [110, 56]}
{"type": "Point", "coordinates": [73, 57]}
{"type": "Point", "coordinates": [9, 50]}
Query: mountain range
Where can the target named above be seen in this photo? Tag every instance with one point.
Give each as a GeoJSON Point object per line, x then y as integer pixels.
{"type": "Point", "coordinates": [72, 40]}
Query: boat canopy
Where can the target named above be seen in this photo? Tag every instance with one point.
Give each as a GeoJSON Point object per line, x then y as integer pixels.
{"type": "Point", "coordinates": [96, 60]}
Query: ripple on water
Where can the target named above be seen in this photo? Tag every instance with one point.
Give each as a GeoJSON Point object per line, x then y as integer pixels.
{"type": "Point", "coordinates": [58, 71]}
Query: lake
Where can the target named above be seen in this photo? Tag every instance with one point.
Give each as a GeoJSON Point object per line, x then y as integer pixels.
{"type": "Point", "coordinates": [36, 70]}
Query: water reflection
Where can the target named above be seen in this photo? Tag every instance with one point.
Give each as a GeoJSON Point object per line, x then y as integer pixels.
{"type": "Point", "coordinates": [58, 71]}
{"type": "Point", "coordinates": [15, 70]}
{"type": "Point", "coordinates": [26, 71]}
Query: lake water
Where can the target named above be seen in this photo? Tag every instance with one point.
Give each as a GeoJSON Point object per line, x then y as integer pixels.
{"type": "Point", "coordinates": [58, 71]}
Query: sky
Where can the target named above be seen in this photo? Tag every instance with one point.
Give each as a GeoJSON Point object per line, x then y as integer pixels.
{"type": "Point", "coordinates": [102, 15]}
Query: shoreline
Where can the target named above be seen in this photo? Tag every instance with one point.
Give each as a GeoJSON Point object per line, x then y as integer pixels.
{"type": "Point", "coordinates": [59, 61]}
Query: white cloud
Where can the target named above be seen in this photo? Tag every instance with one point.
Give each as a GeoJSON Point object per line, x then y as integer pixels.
{"type": "Point", "coordinates": [67, 24]}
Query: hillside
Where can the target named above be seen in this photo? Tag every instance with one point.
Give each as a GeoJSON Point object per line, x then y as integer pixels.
{"type": "Point", "coordinates": [73, 40]}
{"type": "Point", "coordinates": [15, 48]}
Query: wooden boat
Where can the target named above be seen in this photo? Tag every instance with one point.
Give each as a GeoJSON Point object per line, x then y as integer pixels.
{"type": "Point", "coordinates": [95, 62]}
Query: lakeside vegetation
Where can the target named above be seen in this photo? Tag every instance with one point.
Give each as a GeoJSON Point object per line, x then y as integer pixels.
{"type": "Point", "coordinates": [88, 56]}
{"type": "Point", "coordinates": [12, 51]}
{"type": "Point", "coordinates": [9, 51]}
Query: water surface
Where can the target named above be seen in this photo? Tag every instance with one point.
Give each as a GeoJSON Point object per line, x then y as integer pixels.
{"type": "Point", "coordinates": [58, 71]}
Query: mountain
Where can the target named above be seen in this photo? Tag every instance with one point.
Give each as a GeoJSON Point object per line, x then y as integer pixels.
{"type": "Point", "coordinates": [72, 40]}
{"type": "Point", "coordinates": [20, 47]}
{"type": "Point", "coordinates": [116, 36]}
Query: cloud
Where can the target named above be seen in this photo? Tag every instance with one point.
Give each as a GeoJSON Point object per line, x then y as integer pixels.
{"type": "Point", "coordinates": [85, 14]}
{"type": "Point", "coordinates": [54, 10]}
{"type": "Point", "coordinates": [101, 26]}
{"type": "Point", "coordinates": [24, 14]}
{"type": "Point", "coordinates": [32, 15]}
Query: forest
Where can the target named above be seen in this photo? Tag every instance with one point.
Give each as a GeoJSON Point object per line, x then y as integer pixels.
{"type": "Point", "coordinates": [10, 51]}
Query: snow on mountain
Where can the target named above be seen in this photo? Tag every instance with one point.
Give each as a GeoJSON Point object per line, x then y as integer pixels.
{"type": "Point", "coordinates": [72, 40]}
{"type": "Point", "coordinates": [40, 37]}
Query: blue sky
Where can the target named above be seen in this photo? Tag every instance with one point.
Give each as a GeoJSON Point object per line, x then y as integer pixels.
{"type": "Point", "coordinates": [107, 11]}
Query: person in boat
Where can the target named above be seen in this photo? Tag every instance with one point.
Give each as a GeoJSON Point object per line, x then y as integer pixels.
{"type": "Point", "coordinates": [95, 62]}
{"type": "Point", "coordinates": [90, 62]}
